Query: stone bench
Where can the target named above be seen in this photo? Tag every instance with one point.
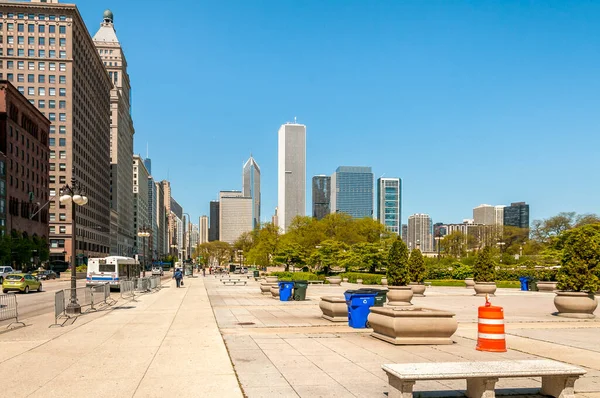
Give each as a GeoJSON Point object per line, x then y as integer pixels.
{"type": "Point", "coordinates": [234, 282]}
{"type": "Point", "coordinates": [334, 308]}
{"type": "Point", "coordinates": [315, 282]}
{"type": "Point", "coordinates": [558, 379]}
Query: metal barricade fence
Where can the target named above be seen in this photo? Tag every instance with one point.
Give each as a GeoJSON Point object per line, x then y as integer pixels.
{"type": "Point", "coordinates": [127, 289]}
{"type": "Point", "coordinates": [59, 307]}
{"type": "Point", "coordinates": [8, 309]}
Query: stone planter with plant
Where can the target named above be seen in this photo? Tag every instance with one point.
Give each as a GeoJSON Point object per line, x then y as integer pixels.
{"type": "Point", "coordinates": [578, 275]}
{"type": "Point", "coordinates": [400, 293]}
{"type": "Point", "coordinates": [484, 273]}
{"type": "Point", "coordinates": [416, 272]}
{"type": "Point", "coordinates": [546, 279]}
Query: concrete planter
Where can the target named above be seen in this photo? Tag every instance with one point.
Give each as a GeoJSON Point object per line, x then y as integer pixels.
{"type": "Point", "coordinates": [271, 279]}
{"type": "Point", "coordinates": [545, 286]}
{"type": "Point", "coordinates": [265, 288]}
{"type": "Point", "coordinates": [384, 282]}
{"type": "Point", "coordinates": [470, 283]}
{"type": "Point", "coordinates": [575, 304]}
{"type": "Point", "coordinates": [483, 288]}
{"type": "Point", "coordinates": [412, 325]}
{"type": "Point", "coordinates": [275, 291]}
{"type": "Point", "coordinates": [334, 280]}
{"type": "Point", "coordinates": [334, 308]}
{"type": "Point", "coordinates": [399, 295]}
{"type": "Point", "coordinates": [359, 281]}
{"type": "Point", "coordinates": [345, 280]}
{"type": "Point", "coordinates": [418, 289]}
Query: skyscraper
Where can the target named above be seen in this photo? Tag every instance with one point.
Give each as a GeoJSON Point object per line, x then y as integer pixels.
{"type": "Point", "coordinates": [420, 234]}
{"type": "Point", "coordinates": [517, 215]}
{"type": "Point", "coordinates": [291, 173]}
{"type": "Point", "coordinates": [484, 215]}
{"type": "Point", "coordinates": [352, 191]}
{"type": "Point", "coordinates": [235, 215]}
{"type": "Point", "coordinates": [251, 188]}
{"type": "Point", "coordinates": [121, 133]}
{"type": "Point", "coordinates": [389, 203]}
{"type": "Point", "coordinates": [203, 230]}
{"type": "Point", "coordinates": [141, 205]}
{"type": "Point", "coordinates": [213, 230]}
{"type": "Point", "coordinates": [321, 196]}
{"type": "Point", "coordinates": [67, 80]}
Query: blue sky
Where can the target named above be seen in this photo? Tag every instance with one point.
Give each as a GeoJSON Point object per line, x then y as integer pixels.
{"type": "Point", "coordinates": [468, 102]}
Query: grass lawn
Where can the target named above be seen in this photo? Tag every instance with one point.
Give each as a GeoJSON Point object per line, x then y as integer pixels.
{"type": "Point", "coordinates": [452, 282]}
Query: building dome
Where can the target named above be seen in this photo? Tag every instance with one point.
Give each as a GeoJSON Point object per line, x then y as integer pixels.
{"type": "Point", "coordinates": [108, 15]}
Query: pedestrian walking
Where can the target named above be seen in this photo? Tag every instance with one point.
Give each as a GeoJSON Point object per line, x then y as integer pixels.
{"type": "Point", "coordinates": [178, 275]}
{"type": "Point", "coordinates": [203, 271]}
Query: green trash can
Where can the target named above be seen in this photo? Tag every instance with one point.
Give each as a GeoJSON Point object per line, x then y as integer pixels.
{"type": "Point", "coordinates": [533, 285]}
{"type": "Point", "coordinates": [381, 297]}
{"type": "Point", "coordinates": [300, 290]}
{"type": "Point", "coordinates": [256, 273]}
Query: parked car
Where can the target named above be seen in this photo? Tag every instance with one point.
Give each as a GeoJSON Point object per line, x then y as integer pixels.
{"type": "Point", "coordinates": [5, 271]}
{"type": "Point", "coordinates": [157, 271]}
{"type": "Point", "coordinates": [21, 282]}
{"type": "Point", "coordinates": [46, 275]}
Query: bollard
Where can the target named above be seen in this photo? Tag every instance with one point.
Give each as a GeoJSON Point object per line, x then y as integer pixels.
{"type": "Point", "coordinates": [490, 328]}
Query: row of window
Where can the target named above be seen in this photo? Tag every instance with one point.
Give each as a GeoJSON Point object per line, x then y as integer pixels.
{"type": "Point", "coordinates": [61, 142]}
{"type": "Point", "coordinates": [10, 27]}
{"type": "Point", "coordinates": [10, 52]}
{"type": "Point", "coordinates": [62, 230]}
{"type": "Point", "coordinates": [41, 41]}
{"type": "Point", "coordinates": [31, 65]}
{"type": "Point", "coordinates": [41, 17]}
{"type": "Point", "coordinates": [41, 78]}
{"type": "Point", "coordinates": [41, 91]}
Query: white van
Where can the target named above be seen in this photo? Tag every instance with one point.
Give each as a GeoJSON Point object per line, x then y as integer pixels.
{"type": "Point", "coordinates": [111, 269]}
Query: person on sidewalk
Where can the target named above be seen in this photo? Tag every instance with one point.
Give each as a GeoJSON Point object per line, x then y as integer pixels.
{"type": "Point", "coordinates": [178, 275]}
{"type": "Point", "coordinates": [203, 271]}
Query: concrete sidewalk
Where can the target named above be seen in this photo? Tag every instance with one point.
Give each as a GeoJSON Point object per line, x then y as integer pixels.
{"type": "Point", "coordinates": [164, 344]}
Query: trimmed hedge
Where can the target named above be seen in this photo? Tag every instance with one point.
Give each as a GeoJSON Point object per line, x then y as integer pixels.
{"type": "Point", "coordinates": [297, 276]}
{"type": "Point", "coordinates": [368, 279]}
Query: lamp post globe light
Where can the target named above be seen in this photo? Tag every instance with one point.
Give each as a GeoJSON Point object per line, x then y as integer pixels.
{"type": "Point", "coordinates": [144, 232]}
{"type": "Point", "coordinates": [74, 195]}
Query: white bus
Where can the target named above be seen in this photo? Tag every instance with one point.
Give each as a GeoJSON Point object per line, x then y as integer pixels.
{"type": "Point", "coordinates": [111, 269]}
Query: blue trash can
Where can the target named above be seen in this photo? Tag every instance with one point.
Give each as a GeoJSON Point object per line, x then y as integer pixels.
{"type": "Point", "coordinates": [524, 282]}
{"type": "Point", "coordinates": [285, 291]}
{"type": "Point", "coordinates": [359, 303]}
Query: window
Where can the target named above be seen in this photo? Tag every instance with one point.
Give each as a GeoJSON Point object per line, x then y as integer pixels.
{"type": "Point", "coordinates": [41, 90]}
{"type": "Point", "coordinates": [41, 78]}
{"type": "Point", "coordinates": [10, 26]}
{"type": "Point", "coordinates": [62, 167]}
{"type": "Point", "coordinates": [62, 130]}
{"type": "Point", "coordinates": [62, 217]}
{"type": "Point", "coordinates": [21, 78]}
{"type": "Point", "coordinates": [42, 53]}
{"type": "Point", "coordinates": [62, 142]}
{"type": "Point", "coordinates": [52, 79]}
{"type": "Point", "coordinates": [62, 79]}
{"type": "Point", "coordinates": [31, 78]}
{"type": "Point", "coordinates": [62, 179]}
{"type": "Point", "coordinates": [20, 40]}
{"type": "Point", "coordinates": [52, 41]}
{"type": "Point", "coordinates": [62, 104]}
{"type": "Point", "coordinates": [20, 52]}
{"type": "Point", "coordinates": [10, 39]}
{"type": "Point", "coordinates": [62, 92]}
{"type": "Point", "coordinates": [62, 154]}
{"type": "Point", "coordinates": [52, 229]}
{"type": "Point", "coordinates": [41, 65]}
{"type": "Point", "coordinates": [51, 103]}
{"type": "Point", "coordinates": [9, 64]}
{"type": "Point", "coordinates": [52, 54]}
{"type": "Point", "coordinates": [52, 29]}
{"type": "Point", "coordinates": [62, 117]}
{"type": "Point", "coordinates": [62, 67]}
{"type": "Point", "coordinates": [62, 229]}
{"type": "Point", "coordinates": [41, 41]}
{"type": "Point", "coordinates": [62, 41]}
{"type": "Point", "coordinates": [31, 52]}
{"type": "Point", "coordinates": [41, 104]}
{"type": "Point", "coordinates": [41, 17]}
{"type": "Point", "coordinates": [42, 28]}
{"type": "Point", "coordinates": [30, 90]}
{"type": "Point", "coordinates": [21, 90]}
{"type": "Point", "coordinates": [31, 65]}
{"type": "Point", "coordinates": [52, 91]}
{"type": "Point", "coordinates": [62, 29]}
{"type": "Point", "coordinates": [52, 65]}
{"type": "Point", "coordinates": [31, 28]}
{"type": "Point", "coordinates": [51, 142]}
{"type": "Point", "coordinates": [53, 242]}
{"type": "Point", "coordinates": [52, 167]}
{"type": "Point", "coordinates": [31, 41]}
{"type": "Point", "coordinates": [52, 116]}
{"type": "Point", "coordinates": [20, 64]}
{"type": "Point", "coordinates": [63, 17]}
{"type": "Point", "coordinates": [20, 27]}
{"type": "Point", "coordinates": [52, 129]}
{"type": "Point", "coordinates": [63, 54]}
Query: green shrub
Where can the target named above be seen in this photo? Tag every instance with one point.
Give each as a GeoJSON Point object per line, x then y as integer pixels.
{"type": "Point", "coordinates": [397, 270]}
{"type": "Point", "coordinates": [546, 274]}
{"type": "Point", "coordinates": [297, 276]}
{"type": "Point", "coordinates": [461, 271]}
{"type": "Point", "coordinates": [438, 271]}
{"type": "Point", "coordinates": [81, 268]}
{"type": "Point", "coordinates": [484, 269]}
{"type": "Point", "coordinates": [368, 279]}
{"type": "Point", "coordinates": [580, 259]}
{"type": "Point", "coordinates": [416, 266]}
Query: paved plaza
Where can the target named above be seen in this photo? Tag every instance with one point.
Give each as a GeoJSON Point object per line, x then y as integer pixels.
{"type": "Point", "coordinates": [211, 340]}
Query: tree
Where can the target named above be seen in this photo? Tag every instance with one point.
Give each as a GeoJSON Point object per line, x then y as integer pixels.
{"type": "Point", "coordinates": [484, 269]}
{"type": "Point", "coordinates": [397, 270]}
{"type": "Point", "coordinates": [244, 242]}
{"type": "Point", "coordinates": [265, 244]}
{"type": "Point", "coordinates": [454, 244]}
{"type": "Point", "coordinates": [327, 255]}
{"type": "Point", "coordinates": [545, 230]}
{"type": "Point", "coordinates": [290, 254]}
{"type": "Point", "coordinates": [580, 259]}
{"type": "Point", "coordinates": [513, 238]}
{"type": "Point", "coordinates": [369, 254]}
{"type": "Point", "coordinates": [416, 266]}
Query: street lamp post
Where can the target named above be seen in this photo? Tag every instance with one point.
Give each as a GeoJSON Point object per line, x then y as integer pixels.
{"type": "Point", "coordinates": [75, 195]}
{"type": "Point", "coordinates": [144, 232]}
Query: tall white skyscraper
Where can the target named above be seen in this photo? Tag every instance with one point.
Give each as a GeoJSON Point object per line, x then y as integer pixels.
{"type": "Point", "coordinates": [203, 230]}
{"type": "Point", "coordinates": [251, 188]}
{"type": "Point", "coordinates": [291, 173]}
{"type": "Point", "coordinates": [420, 232]}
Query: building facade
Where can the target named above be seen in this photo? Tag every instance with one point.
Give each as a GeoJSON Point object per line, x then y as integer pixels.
{"type": "Point", "coordinates": [162, 221]}
{"type": "Point", "coordinates": [141, 207]}
{"type": "Point", "coordinates": [484, 215]}
{"type": "Point", "coordinates": [213, 230]}
{"type": "Point", "coordinates": [352, 191]}
{"type": "Point", "coordinates": [517, 215]}
{"type": "Point", "coordinates": [152, 221]}
{"type": "Point", "coordinates": [291, 173]}
{"type": "Point", "coordinates": [389, 203]}
{"type": "Point", "coordinates": [420, 233]}
{"type": "Point", "coordinates": [121, 136]}
{"type": "Point", "coordinates": [177, 222]}
{"type": "Point", "coordinates": [251, 188]}
{"type": "Point", "coordinates": [52, 60]}
{"type": "Point", "coordinates": [24, 167]}
{"type": "Point", "coordinates": [235, 215]}
{"type": "Point", "coordinates": [321, 196]}
{"type": "Point", "coordinates": [203, 230]}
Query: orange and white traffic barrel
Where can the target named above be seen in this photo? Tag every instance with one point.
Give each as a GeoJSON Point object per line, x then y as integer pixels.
{"type": "Point", "coordinates": [490, 328]}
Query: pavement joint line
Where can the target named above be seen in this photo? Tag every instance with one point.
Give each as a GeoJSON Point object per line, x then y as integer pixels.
{"type": "Point", "coordinates": [161, 343]}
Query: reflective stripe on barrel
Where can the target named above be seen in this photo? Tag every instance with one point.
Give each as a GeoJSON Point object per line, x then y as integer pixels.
{"type": "Point", "coordinates": [490, 328]}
